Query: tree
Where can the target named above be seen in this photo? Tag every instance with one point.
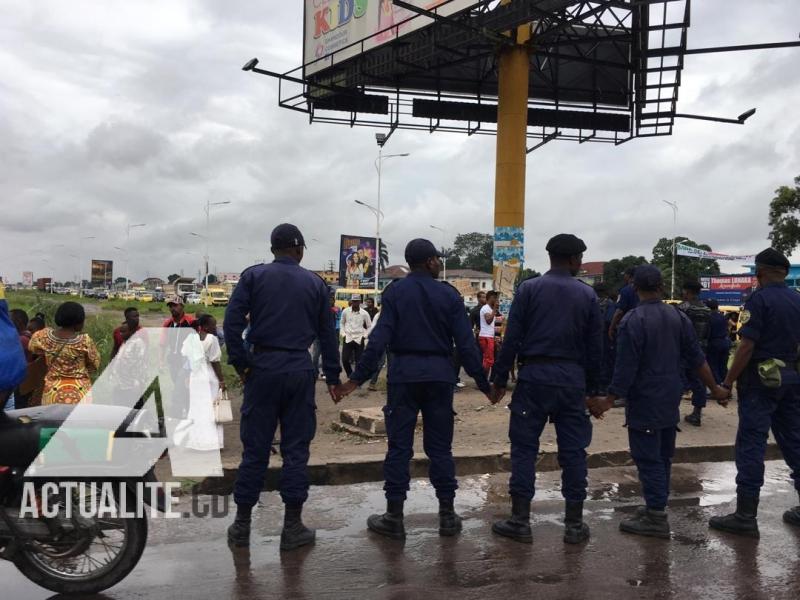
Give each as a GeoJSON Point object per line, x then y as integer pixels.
{"type": "Point", "coordinates": [474, 251]}
{"type": "Point", "coordinates": [172, 278]}
{"type": "Point", "coordinates": [212, 279]}
{"type": "Point", "coordinates": [614, 270]}
{"type": "Point", "coordinates": [525, 274]}
{"type": "Point", "coordinates": [453, 260]}
{"type": "Point", "coordinates": [686, 267]}
{"type": "Point", "coordinates": [120, 280]}
{"type": "Point", "coordinates": [783, 218]}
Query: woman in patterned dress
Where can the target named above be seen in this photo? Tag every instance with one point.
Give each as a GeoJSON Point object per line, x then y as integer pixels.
{"type": "Point", "coordinates": [70, 355]}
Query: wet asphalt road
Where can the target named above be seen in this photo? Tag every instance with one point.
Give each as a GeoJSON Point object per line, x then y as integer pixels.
{"type": "Point", "coordinates": [188, 558]}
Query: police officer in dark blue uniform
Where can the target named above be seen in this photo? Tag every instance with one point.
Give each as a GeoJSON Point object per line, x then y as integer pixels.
{"type": "Point", "coordinates": [719, 342]}
{"type": "Point", "coordinates": [608, 307]}
{"type": "Point", "coordinates": [627, 301]}
{"type": "Point", "coordinates": [421, 319]}
{"type": "Point", "coordinates": [700, 316]}
{"type": "Point", "coordinates": [288, 307]}
{"type": "Point", "coordinates": [554, 329]}
{"type": "Point", "coordinates": [655, 343]}
{"type": "Point", "coordinates": [768, 385]}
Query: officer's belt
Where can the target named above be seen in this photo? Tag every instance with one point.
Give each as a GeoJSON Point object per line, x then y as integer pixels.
{"type": "Point", "coordinates": [540, 359]}
{"type": "Point", "coordinates": [264, 349]}
{"type": "Point", "coordinates": [403, 352]}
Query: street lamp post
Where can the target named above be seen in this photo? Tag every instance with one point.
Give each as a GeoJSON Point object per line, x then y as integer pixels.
{"type": "Point", "coordinates": [127, 252]}
{"type": "Point", "coordinates": [381, 138]}
{"type": "Point", "coordinates": [444, 258]}
{"type": "Point", "coordinates": [80, 260]}
{"type": "Point", "coordinates": [674, 206]}
{"type": "Point", "coordinates": [207, 209]}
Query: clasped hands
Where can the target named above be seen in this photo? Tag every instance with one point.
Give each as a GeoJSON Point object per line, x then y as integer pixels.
{"type": "Point", "coordinates": [599, 405]}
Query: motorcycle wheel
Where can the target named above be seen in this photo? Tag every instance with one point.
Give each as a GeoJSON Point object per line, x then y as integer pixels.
{"type": "Point", "coordinates": [101, 563]}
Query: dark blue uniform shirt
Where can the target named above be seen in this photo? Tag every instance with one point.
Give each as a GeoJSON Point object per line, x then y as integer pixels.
{"type": "Point", "coordinates": [289, 306]}
{"type": "Point", "coordinates": [628, 298]}
{"type": "Point", "coordinates": [653, 344]}
{"type": "Point", "coordinates": [420, 320]}
{"type": "Point", "coordinates": [718, 326]}
{"type": "Point", "coordinates": [771, 318]}
{"type": "Point", "coordinates": [556, 326]}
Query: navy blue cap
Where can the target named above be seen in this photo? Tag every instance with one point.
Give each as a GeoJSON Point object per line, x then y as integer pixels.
{"type": "Point", "coordinates": [772, 258]}
{"type": "Point", "coordinates": [565, 244]}
{"type": "Point", "coordinates": [419, 250]}
{"type": "Point", "coordinates": [285, 236]}
{"type": "Point", "coordinates": [647, 278]}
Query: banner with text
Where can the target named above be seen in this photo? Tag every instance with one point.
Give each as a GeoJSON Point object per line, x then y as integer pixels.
{"type": "Point", "coordinates": [684, 250]}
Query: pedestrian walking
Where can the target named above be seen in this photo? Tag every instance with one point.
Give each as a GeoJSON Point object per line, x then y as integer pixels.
{"type": "Point", "coordinates": [487, 332]}
{"type": "Point", "coordinates": [475, 313]}
{"type": "Point", "coordinates": [699, 314]}
{"type": "Point", "coordinates": [554, 332]}
{"type": "Point", "coordinates": [421, 319]}
{"type": "Point", "coordinates": [70, 356]}
{"type": "Point", "coordinates": [765, 370]}
{"type": "Point", "coordinates": [655, 344]}
{"type": "Point", "coordinates": [278, 378]}
{"type": "Point", "coordinates": [355, 324]}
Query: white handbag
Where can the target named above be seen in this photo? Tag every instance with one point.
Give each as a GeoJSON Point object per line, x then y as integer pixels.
{"type": "Point", "coordinates": [223, 412]}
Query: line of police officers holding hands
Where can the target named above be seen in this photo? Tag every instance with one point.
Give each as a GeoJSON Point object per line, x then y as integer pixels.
{"type": "Point", "coordinates": [555, 335]}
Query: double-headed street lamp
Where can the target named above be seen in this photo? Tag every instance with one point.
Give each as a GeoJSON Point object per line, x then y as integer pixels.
{"type": "Point", "coordinates": [207, 209]}
{"type": "Point", "coordinates": [444, 258]}
{"type": "Point", "coordinates": [674, 206]}
{"type": "Point", "coordinates": [80, 260]}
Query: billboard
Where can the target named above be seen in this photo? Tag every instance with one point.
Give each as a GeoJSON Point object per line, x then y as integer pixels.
{"type": "Point", "coordinates": [27, 278]}
{"type": "Point", "coordinates": [732, 282]}
{"type": "Point", "coordinates": [333, 25]}
{"type": "Point", "coordinates": [102, 273]}
{"type": "Point", "coordinates": [357, 262]}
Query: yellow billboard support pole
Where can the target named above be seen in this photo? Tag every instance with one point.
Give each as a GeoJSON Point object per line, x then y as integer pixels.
{"type": "Point", "coordinates": [512, 127]}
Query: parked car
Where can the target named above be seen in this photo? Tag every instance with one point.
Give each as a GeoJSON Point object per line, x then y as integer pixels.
{"type": "Point", "coordinates": [192, 298]}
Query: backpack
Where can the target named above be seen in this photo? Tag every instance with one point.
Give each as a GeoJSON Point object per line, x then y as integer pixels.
{"type": "Point", "coordinates": [700, 316]}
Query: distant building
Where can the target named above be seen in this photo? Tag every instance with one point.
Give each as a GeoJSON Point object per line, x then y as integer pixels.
{"type": "Point", "coordinates": [330, 277]}
{"type": "Point", "coordinates": [478, 280]}
{"type": "Point", "coordinates": [592, 272]}
{"type": "Point", "coordinates": [228, 278]}
{"type": "Point", "coordinates": [153, 283]}
{"type": "Point", "coordinates": [391, 273]}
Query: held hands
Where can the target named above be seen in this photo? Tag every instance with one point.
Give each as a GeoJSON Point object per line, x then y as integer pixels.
{"type": "Point", "coordinates": [243, 372]}
{"type": "Point", "coordinates": [598, 405]}
{"type": "Point", "coordinates": [338, 392]}
{"type": "Point", "coordinates": [721, 395]}
{"type": "Point", "coordinates": [496, 394]}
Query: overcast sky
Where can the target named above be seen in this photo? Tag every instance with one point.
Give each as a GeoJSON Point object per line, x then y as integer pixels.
{"type": "Point", "coordinates": [120, 112]}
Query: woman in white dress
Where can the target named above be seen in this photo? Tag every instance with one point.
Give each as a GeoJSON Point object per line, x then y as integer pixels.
{"type": "Point", "coordinates": [206, 381]}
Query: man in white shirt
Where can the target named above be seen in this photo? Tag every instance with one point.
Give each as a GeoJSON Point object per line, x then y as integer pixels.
{"type": "Point", "coordinates": [354, 327]}
{"type": "Point", "coordinates": [487, 332]}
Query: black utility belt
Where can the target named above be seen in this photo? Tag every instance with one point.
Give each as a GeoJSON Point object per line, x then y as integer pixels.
{"type": "Point", "coordinates": [419, 352]}
{"type": "Point", "coordinates": [264, 349]}
{"type": "Point", "coordinates": [536, 360]}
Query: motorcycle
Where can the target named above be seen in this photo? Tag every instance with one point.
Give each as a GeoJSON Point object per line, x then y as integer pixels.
{"type": "Point", "coordinates": [71, 552]}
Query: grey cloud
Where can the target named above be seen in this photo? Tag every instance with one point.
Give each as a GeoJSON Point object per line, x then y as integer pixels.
{"type": "Point", "coordinates": [124, 145]}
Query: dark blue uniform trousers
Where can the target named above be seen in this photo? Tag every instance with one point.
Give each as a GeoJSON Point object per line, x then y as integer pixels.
{"type": "Point", "coordinates": [269, 399]}
{"type": "Point", "coordinates": [531, 406]}
{"type": "Point", "coordinates": [405, 401]}
{"type": "Point", "coordinates": [759, 409]}
{"type": "Point", "coordinates": [717, 358]}
{"type": "Point", "coordinates": [652, 451]}
{"type": "Point", "coordinates": [698, 388]}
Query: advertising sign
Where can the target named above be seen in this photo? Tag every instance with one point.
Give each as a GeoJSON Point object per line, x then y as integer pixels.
{"type": "Point", "coordinates": [735, 282]}
{"type": "Point", "coordinates": [27, 278]}
{"type": "Point", "coordinates": [357, 262]}
{"type": "Point", "coordinates": [102, 273]}
{"type": "Point", "coordinates": [332, 25]}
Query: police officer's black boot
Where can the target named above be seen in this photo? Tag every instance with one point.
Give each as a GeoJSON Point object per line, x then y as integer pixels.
{"type": "Point", "coordinates": [647, 522]}
{"type": "Point", "coordinates": [695, 418]}
{"type": "Point", "coordinates": [741, 522]}
{"type": "Point", "coordinates": [294, 533]}
{"type": "Point", "coordinates": [518, 527]}
{"type": "Point", "coordinates": [239, 531]}
{"type": "Point", "coordinates": [390, 523]}
{"type": "Point", "coordinates": [575, 530]}
{"type": "Point", "coordinates": [449, 521]}
{"type": "Point", "coordinates": [792, 517]}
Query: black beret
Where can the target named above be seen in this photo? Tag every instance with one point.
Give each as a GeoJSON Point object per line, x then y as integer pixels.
{"type": "Point", "coordinates": [772, 258]}
{"type": "Point", "coordinates": [647, 278]}
{"type": "Point", "coordinates": [285, 236]}
{"type": "Point", "coordinates": [419, 250]}
{"type": "Point", "coordinates": [565, 244]}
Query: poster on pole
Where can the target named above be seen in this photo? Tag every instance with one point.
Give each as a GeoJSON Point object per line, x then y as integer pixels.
{"type": "Point", "coordinates": [357, 262]}
{"type": "Point", "coordinates": [27, 279]}
{"type": "Point", "coordinates": [102, 273]}
{"type": "Point", "coordinates": [331, 26]}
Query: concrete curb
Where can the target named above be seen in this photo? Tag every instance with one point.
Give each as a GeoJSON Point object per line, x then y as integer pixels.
{"type": "Point", "coordinates": [362, 469]}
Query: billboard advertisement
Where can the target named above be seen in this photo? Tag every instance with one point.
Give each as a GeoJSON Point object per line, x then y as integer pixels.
{"type": "Point", "coordinates": [357, 262]}
{"type": "Point", "coordinates": [102, 273]}
{"type": "Point", "coordinates": [730, 290]}
{"type": "Point", "coordinates": [27, 278]}
{"type": "Point", "coordinates": [333, 25]}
